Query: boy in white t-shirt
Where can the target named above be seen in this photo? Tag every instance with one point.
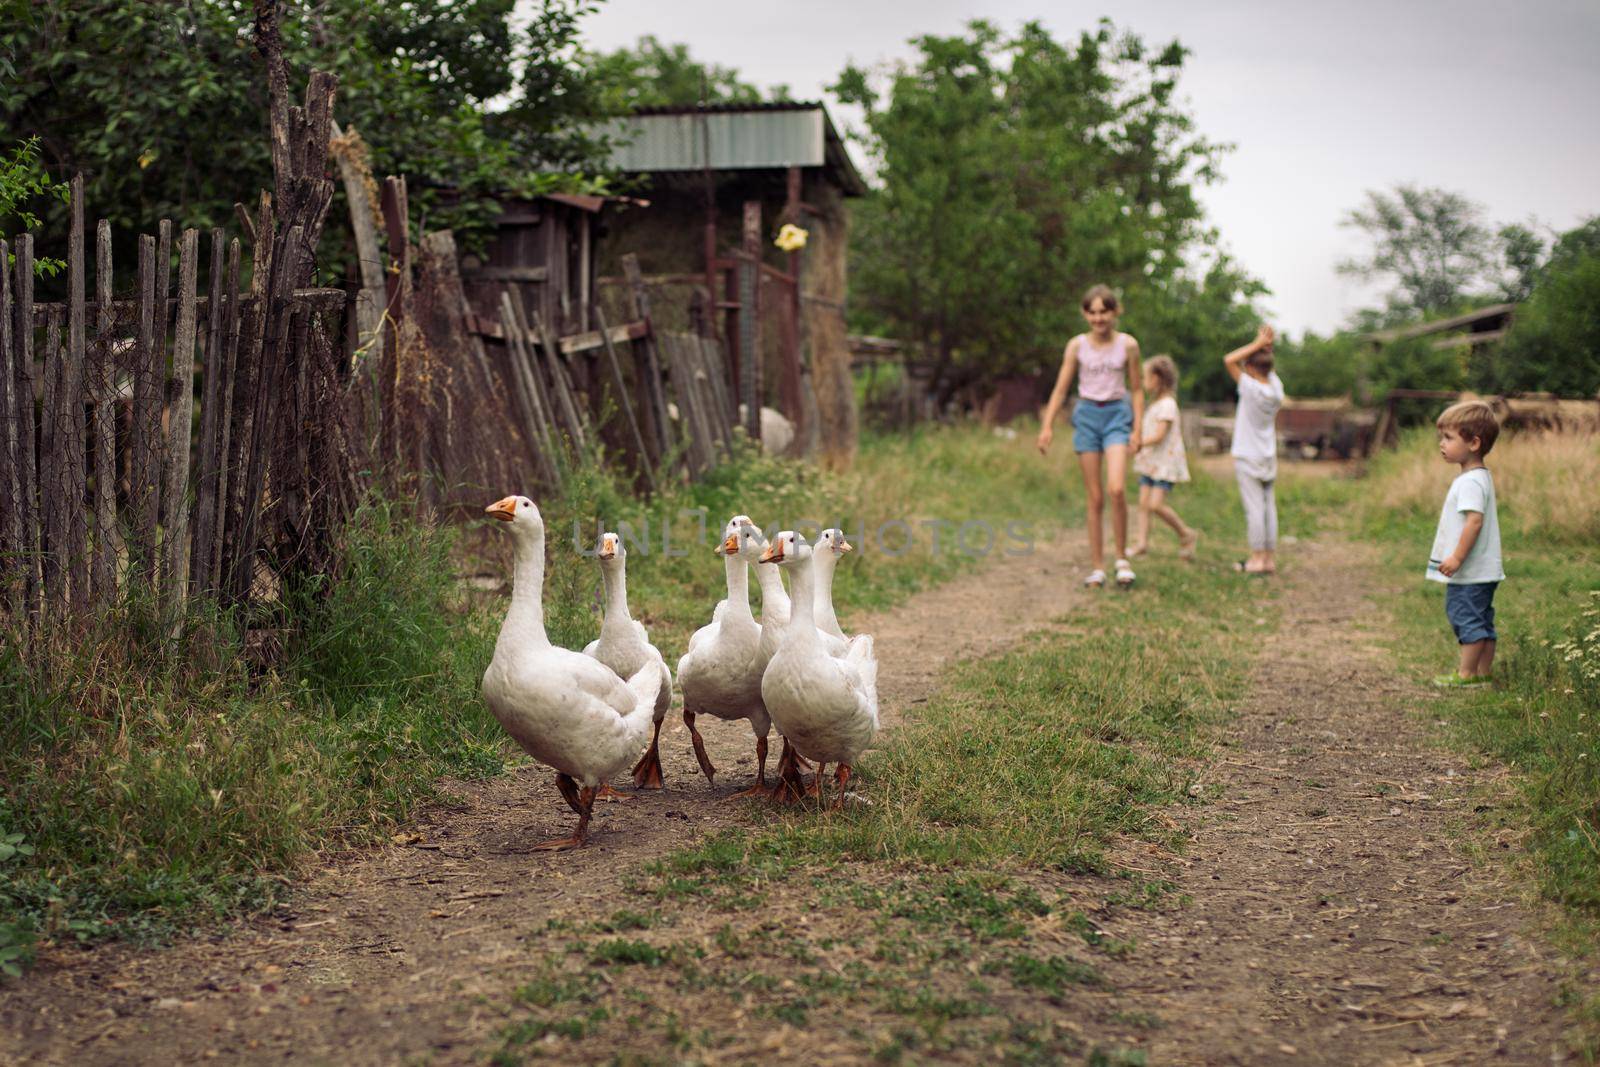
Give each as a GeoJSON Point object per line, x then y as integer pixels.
{"type": "Point", "coordinates": [1466, 548]}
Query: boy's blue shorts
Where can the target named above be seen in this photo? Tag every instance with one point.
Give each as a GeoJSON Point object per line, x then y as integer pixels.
{"type": "Point", "coordinates": [1096, 425]}
{"type": "Point", "coordinates": [1156, 483]}
{"type": "Point", "coordinates": [1470, 609]}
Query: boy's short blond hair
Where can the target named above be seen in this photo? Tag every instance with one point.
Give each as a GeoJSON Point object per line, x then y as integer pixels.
{"type": "Point", "coordinates": [1472, 418]}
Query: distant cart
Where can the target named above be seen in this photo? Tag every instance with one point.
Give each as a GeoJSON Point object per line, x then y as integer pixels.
{"type": "Point", "coordinates": [1313, 428]}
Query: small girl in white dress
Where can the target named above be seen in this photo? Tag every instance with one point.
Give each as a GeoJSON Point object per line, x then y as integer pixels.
{"type": "Point", "coordinates": [1160, 462]}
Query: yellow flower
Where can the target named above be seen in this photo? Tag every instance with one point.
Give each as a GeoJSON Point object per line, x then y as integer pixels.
{"type": "Point", "coordinates": [791, 238]}
{"type": "Point", "coordinates": [146, 159]}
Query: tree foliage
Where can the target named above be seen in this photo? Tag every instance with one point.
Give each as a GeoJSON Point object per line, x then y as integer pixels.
{"type": "Point", "coordinates": [1437, 253]}
{"type": "Point", "coordinates": [1016, 170]}
{"type": "Point", "coordinates": [1554, 343]}
{"type": "Point", "coordinates": [163, 107]}
{"type": "Point", "coordinates": [654, 74]}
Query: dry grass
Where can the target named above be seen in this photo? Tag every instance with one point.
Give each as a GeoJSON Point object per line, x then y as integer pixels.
{"type": "Point", "coordinates": [1548, 484]}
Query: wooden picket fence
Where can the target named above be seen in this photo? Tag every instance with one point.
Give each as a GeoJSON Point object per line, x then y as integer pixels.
{"type": "Point", "coordinates": [110, 487]}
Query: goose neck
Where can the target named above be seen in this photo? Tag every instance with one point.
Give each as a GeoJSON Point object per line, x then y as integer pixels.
{"type": "Point", "coordinates": [524, 623]}
{"type": "Point", "coordinates": [774, 600]}
{"type": "Point", "coordinates": [802, 619]}
{"type": "Point", "coordinates": [738, 585]}
{"type": "Point", "coordinates": [616, 582]}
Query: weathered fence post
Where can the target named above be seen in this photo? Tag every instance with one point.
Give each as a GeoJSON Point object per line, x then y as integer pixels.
{"type": "Point", "coordinates": [647, 361]}
{"type": "Point", "coordinates": [175, 489]}
{"type": "Point", "coordinates": [750, 321]}
{"type": "Point", "coordinates": [27, 452]}
{"type": "Point", "coordinates": [11, 487]}
{"type": "Point", "coordinates": [103, 384]}
{"type": "Point", "coordinates": [622, 396]}
{"type": "Point", "coordinates": [74, 498]}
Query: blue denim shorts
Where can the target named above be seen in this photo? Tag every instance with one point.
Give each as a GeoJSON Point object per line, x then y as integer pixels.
{"type": "Point", "coordinates": [1156, 483]}
{"type": "Point", "coordinates": [1096, 425]}
{"type": "Point", "coordinates": [1470, 609]}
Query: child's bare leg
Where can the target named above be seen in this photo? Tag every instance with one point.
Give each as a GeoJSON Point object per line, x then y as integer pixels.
{"type": "Point", "coordinates": [1117, 491]}
{"type": "Point", "coordinates": [1141, 540]}
{"type": "Point", "coordinates": [1469, 659]}
{"type": "Point", "coordinates": [1094, 497]}
{"type": "Point", "coordinates": [1485, 662]}
{"type": "Point", "coordinates": [1163, 510]}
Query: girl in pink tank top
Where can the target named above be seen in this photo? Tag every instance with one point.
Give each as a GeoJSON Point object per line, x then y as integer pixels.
{"type": "Point", "coordinates": [1103, 372]}
{"type": "Point", "coordinates": [1105, 422]}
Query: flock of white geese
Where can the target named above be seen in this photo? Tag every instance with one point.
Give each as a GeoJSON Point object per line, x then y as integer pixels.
{"type": "Point", "coordinates": [591, 714]}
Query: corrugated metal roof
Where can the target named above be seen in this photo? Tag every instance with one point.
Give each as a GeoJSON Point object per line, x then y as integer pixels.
{"type": "Point", "coordinates": [774, 135]}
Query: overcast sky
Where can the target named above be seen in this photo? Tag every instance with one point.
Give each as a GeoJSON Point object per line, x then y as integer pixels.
{"type": "Point", "coordinates": [1323, 98]}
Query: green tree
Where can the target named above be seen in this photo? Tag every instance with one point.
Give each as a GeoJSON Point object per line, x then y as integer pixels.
{"type": "Point", "coordinates": [1015, 171]}
{"type": "Point", "coordinates": [1431, 245]}
{"type": "Point", "coordinates": [1197, 318]}
{"type": "Point", "coordinates": [1554, 343]}
{"type": "Point", "coordinates": [654, 74]}
{"type": "Point", "coordinates": [162, 106]}
{"type": "Point", "coordinates": [22, 183]}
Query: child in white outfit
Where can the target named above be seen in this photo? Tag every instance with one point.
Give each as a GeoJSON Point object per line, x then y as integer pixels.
{"type": "Point", "coordinates": [1161, 462]}
{"type": "Point", "coordinates": [1466, 547]}
{"type": "Point", "coordinates": [1255, 447]}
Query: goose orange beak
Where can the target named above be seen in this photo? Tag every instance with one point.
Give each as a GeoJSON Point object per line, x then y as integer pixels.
{"type": "Point", "coordinates": [844, 546]}
{"type": "Point", "coordinates": [730, 545]}
{"type": "Point", "coordinates": [773, 554]}
{"type": "Point", "coordinates": [504, 510]}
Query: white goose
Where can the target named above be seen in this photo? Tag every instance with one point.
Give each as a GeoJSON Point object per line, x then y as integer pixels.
{"type": "Point", "coordinates": [624, 646]}
{"type": "Point", "coordinates": [720, 674]}
{"type": "Point", "coordinates": [830, 546]}
{"type": "Point", "coordinates": [567, 710]}
{"type": "Point", "coordinates": [826, 706]}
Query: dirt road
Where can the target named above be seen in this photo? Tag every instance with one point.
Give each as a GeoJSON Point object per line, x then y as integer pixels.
{"type": "Point", "coordinates": [1330, 916]}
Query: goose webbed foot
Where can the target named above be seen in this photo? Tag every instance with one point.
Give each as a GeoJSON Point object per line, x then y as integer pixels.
{"type": "Point", "coordinates": [791, 787]}
{"type": "Point", "coordinates": [610, 795]}
{"type": "Point", "coordinates": [647, 772]}
{"type": "Point", "coordinates": [842, 778]}
{"type": "Point", "coordinates": [699, 748]}
{"type": "Point", "coordinates": [760, 788]}
{"type": "Point", "coordinates": [580, 801]}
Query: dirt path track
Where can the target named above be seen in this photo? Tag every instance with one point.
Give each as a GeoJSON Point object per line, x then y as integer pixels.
{"type": "Point", "coordinates": [1331, 918]}
{"type": "Point", "coordinates": [1334, 919]}
{"type": "Point", "coordinates": [384, 947]}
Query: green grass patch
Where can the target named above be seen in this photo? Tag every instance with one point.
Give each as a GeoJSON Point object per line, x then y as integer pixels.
{"type": "Point", "coordinates": [1541, 717]}
{"type": "Point", "coordinates": [161, 783]}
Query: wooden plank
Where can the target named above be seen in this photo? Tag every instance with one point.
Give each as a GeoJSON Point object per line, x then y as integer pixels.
{"type": "Point", "coordinates": [507, 274]}
{"type": "Point", "coordinates": [396, 220]}
{"type": "Point", "coordinates": [593, 339]}
{"type": "Point", "coordinates": [719, 419]}
{"type": "Point", "coordinates": [751, 391]}
{"type": "Point", "coordinates": [715, 367]}
{"type": "Point", "coordinates": [175, 487]}
{"type": "Point", "coordinates": [622, 398]}
{"type": "Point", "coordinates": [691, 412]}
{"type": "Point", "coordinates": [207, 464]}
{"type": "Point", "coordinates": [527, 400]}
{"type": "Point", "coordinates": [561, 384]}
{"type": "Point", "coordinates": [235, 569]}
{"type": "Point", "coordinates": [11, 488]}
{"type": "Point", "coordinates": [27, 452]}
{"type": "Point", "coordinates": [102, 384]}
{"type": "Point", "coordinates": [71, 398]}
{"type": "Point", "coordinates": [232, 328]}
{"type": "Point", "coordinates": [54, 465]}
{"type": "Point", "coordinates": [647, 359]}
{"type": "Point", "coordinates": [144, 475]}
{"type": "Point", "coordinates": [276, 337]}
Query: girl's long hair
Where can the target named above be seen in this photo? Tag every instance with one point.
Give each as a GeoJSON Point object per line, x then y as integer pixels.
{"type": "Point", "coordinates": [1165, 369]}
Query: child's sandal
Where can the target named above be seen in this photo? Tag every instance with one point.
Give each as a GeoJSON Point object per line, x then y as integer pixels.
{"type": "Point", "coordinates": [1125, 575]}
{"type": "Point", "coordinates": [1094, 579]}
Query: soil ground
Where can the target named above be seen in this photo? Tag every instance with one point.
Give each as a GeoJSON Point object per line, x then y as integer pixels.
{"type": "Point", "coordinates": [1326, 911]}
